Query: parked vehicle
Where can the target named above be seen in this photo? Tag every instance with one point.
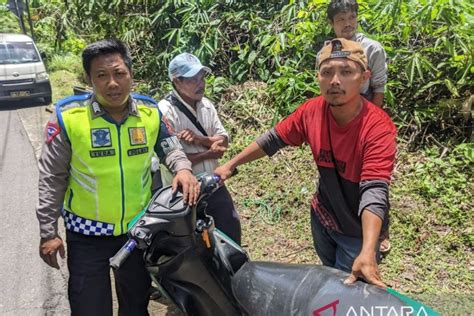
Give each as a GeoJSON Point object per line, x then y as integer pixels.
{"type": "Point", "coordinates": [22, 72]}
{"type": "Point", "coordinates": [204, 272]}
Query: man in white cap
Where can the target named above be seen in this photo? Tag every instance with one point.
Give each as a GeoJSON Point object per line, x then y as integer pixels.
{"type": "Point", "coordinates": [203, 137]}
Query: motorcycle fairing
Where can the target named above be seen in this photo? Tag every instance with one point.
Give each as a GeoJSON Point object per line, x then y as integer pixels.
{"type": "Point", "coordinates": [180, 262]}
{"type": "Point", "coordinates": [166, 212]}
{"type": "Point", "coordinates": [266, 288]}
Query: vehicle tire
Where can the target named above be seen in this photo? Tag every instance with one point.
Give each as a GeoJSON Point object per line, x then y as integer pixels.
{"type": "Point", "coordinates": [48, 100]}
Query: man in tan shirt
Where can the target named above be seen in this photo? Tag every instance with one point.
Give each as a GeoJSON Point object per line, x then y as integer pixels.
{"type": "Point", "coordinates": [204, 139]}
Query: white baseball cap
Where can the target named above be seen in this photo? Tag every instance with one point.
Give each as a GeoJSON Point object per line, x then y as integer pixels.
{"type": "Point", "coordinates": [185, 65]}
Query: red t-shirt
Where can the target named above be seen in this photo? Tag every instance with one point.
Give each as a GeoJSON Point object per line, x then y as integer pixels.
{"type": "Point", "coordinates": [364, 149]}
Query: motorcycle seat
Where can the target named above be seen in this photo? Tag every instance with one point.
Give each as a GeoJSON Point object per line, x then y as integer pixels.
{"type": "Point", "coordinates": [267, 288]}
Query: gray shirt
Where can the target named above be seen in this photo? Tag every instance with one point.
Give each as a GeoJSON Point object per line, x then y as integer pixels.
{"type": "Point", "coordinates": [377, 60]}
{"type": "Point", "coordinates": [54, 165]}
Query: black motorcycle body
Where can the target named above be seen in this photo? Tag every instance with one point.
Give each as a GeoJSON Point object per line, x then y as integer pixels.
{"type": "Point", "coordinates": [204, 272]}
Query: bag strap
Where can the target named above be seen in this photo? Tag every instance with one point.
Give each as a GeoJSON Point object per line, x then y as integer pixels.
{"type": "Point", "coordinates": [180, 106]}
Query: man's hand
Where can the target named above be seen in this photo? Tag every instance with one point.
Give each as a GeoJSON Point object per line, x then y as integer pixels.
{"type": "Point", "coordinates": [365, 266]}
{"type": "Point", "coordinates": [188, 136]}
{"type": "Point", "coordinates": [250, 153]}
{"type": "Point", "coordinates": [48, 250]}
{"type": "Point", "coordinates": [189, 184]}
{"type": "Point", "coordinates": [225, 171]}
{"type": "Point", "coordinates": [217, 149]}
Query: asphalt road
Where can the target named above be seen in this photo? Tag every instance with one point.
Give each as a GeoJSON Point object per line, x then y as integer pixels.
{"type": "Point", "coordinates": [28, 286]}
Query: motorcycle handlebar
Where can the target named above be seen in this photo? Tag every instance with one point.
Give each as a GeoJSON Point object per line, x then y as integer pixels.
{"type": "Point", "coordinates": [209, 183]}
{"type": "Point", "coordinates": [116, 261]}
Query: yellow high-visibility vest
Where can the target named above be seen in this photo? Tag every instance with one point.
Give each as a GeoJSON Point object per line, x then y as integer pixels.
{"type": "Point", "coordinates": [110, 178]}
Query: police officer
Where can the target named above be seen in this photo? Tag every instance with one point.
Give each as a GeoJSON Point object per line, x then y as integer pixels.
{"type": "Point", "coordinates": [95, 172]}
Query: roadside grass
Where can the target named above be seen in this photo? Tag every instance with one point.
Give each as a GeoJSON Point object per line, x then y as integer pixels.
{"type": "Point", "coordinates": [69, 62]}
{"type": "Point", "coordinates": [65, 72]}
{"type": "Point", "coordinates": [431, 216]}
{"type": "Point", "coordinates": [62, 82]}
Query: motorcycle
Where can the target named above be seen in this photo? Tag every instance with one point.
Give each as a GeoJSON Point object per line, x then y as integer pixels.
{"type": "Point", "coordinates": [204, 272]}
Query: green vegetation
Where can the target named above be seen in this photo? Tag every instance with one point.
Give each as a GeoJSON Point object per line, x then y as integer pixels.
{"type": "Point", "coordinates": [428, 42]}
{"type": "Point", "coordinates": [69, 62]}
{"type": "Point", "coordinates": [432, 219]}
{"type": "Point", "coordinates": [62, 82]}
{"type": "Point", "coordinates": [262, 54]}
{"type": "Point", "coordinates": [8, 22]}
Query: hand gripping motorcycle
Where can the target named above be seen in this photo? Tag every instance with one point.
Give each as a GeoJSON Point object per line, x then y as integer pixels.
{"type": "Point", "coordinates": [204, 272]}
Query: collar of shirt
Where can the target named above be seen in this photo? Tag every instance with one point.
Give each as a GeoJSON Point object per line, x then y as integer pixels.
{"type": "Point", "coordinates": [358, 37]}
{"type": "Point", "coordinates": [98, 110]}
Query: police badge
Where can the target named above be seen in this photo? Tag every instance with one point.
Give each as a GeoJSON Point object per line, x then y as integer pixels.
{"type": "Point", "coordinates": [137, 136]}
{"type": "Point", "coordinates": [100, 137]}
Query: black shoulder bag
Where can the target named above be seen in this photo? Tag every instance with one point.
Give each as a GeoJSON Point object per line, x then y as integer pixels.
{"type": "Point", "coordinates": [180, 106]}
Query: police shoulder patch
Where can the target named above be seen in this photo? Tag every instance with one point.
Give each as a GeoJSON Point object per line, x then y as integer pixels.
{"type": "Point", "coordinates": [169, 144]}
{"type": "Point", "coordinates": [51, 131]}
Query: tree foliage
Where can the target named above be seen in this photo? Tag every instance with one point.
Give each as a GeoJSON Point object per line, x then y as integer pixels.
{"type": "Point", "coordinates": [8, 22]}
{"type": "Point", "coordinates": [428, 42]}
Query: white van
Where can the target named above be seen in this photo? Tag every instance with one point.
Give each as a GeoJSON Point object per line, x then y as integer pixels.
{"type": "Point", "coordinates": [22, 72]}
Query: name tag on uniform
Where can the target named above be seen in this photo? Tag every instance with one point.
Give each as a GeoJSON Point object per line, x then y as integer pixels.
{"type": "Point", "coordinates": [137, 135]}
{"type": "Point", "coordinates": [100, 137]}
{"type": "Point", "coordinates": [102, 153]}
{"type": "Point", "coordinates": [137, 151]}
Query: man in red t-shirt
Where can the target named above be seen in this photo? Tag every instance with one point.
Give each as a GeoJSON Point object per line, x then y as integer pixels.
{"type": "Point", "coordinates": [353, 145]}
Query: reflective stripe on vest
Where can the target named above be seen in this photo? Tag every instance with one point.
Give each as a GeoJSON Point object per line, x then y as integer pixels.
{"type": "Point", "coordinates": [86, 226]}
{"type": "Point", "coordinates": [110, 179]}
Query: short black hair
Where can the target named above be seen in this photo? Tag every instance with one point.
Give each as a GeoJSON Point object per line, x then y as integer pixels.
{"type": "Point", "coordinates": [338, 6]}
{"type": "Point", "coordinates": [105, 47]}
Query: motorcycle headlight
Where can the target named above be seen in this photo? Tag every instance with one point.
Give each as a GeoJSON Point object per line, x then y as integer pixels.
{"type": "Point", "coordinates": [42, 76]}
